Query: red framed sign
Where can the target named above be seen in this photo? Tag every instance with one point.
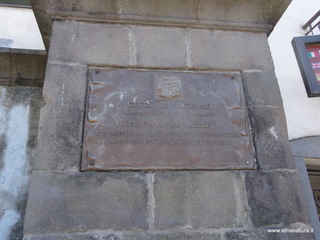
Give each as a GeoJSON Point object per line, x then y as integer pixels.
{"type": "Point", "coordinates": [307, 51]}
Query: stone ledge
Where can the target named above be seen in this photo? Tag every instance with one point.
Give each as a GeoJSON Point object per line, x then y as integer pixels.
{"type": "Point", "coordinates": [154, 47]}
{"type": "Point", "coordinates": [130, 236]}
{"type": "Point", "coordinates": [245, 15]}
{"type": "Point", "coordinates": [22, 67]}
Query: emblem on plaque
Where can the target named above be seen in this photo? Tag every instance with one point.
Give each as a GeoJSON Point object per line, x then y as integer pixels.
{"type": "Point", "coordinates": [168, 88]}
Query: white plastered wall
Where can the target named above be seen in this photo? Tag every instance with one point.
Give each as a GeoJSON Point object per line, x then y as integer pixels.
{"type": "Point", "coordinates": [302, 113]}
{"type": "Point", "coordinates": [18, 29]}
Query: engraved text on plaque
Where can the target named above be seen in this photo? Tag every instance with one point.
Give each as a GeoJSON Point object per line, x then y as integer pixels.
{"type": "Point", "coordinates": [148, 120]}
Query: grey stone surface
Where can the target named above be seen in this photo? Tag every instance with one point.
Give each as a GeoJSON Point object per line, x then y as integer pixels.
{"type": "Point", "coordinates": [93, 7]}
{"type": "Point", "coordinates": [5, 67]}
{"type": "Point", "coordinates": [76, 237]}
{"type": "Point", "coordinates": [154, 47]}
{"type": "Point", "coordinates": [90, 43]}
{"type": "Point", "coordinates": [62, 149]}
{"type": "Point", "coordinates": [199, 200]}
{"type": "Point", "coordinates": [161, 47]}
{"type": "Point", "coordinates": [65, 85]}
{"type": "Point", "coordinates": [86, 201]}
{"type": "Point", "coordinates": [270, 135]}
{"type": "Point", "coordinates": [261, 88]}
{"type": "Point", "coordinates": [262, 234]}
{"type": "Point", "coordinates": [131, 236]}
{"type": "Point", "coordinates": [27, 67]}
{"type": "Point", "coordinates": [19, 115]}
{"type": "Point", "coordinates": [208, 49]}
{"type": "Point", "coordinates": [251, 235]}
{"type": "Point", "coordinates": [306, 147]}
{"type": "Point", "coordinates": [308, 196]}
{"type": "Point", "coordinates": [60, 126]}
{"type": "Point", "coordinates": [154, 8]}
{"type": "Point", "coordinates": [176, 236]}
{"type": "Point", "coordinates": [243, 11]}
{"type": "Point", "coordinates": [272, 201]}
{"type": "Point", "coordinates": [22, 67]}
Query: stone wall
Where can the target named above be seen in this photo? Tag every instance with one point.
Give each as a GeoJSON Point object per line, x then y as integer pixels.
{"type": "Point", "coordinates": [20, 102]}
{"type": "Point", "coordinates": [65, 203]}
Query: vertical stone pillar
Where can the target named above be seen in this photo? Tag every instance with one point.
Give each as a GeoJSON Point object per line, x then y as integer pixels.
{"type": "Point", "coordinates": [189, 37]}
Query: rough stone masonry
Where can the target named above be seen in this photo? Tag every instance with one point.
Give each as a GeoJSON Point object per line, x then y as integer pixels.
{"type": "Point", "coordinates": [188, 37]}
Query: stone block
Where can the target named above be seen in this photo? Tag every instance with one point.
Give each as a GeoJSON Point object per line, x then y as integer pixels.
{"type": "Point", "coordinates": [61, 121]}
{"type": "Point", "coordinates": [261, 88]}
{"type": "Point", "coordinates": [59, 139]}
{"type": "Point", "coordinates": [230, 11]}
{"type": "Point", "coordinates": [154, 8]}
{"type": "Point", "coordinates": [65, 85]}
{"type": "Point", "coordinates": [29, 66]}
{"type": "Point", "coordinates": [93, 7]}
{"type": "Point", "coordinates": [62, 203]}
{"type": "Point", "coordinates": [193, 200]}
{"type": "Point", "coordinates": [160, 47]}
{"type": "Point", "coordinates": [22, 67]}
{"type": "Point", "coordinates": [270, 135]}
{"type": "Point", "coordinates": [90, 43]}
{"type": "Point", "coordinates": [208, 49]}
{"type": "Point", "coordinates": [272, 202]}
{"type": "Point", "coordinates": [245, 11]}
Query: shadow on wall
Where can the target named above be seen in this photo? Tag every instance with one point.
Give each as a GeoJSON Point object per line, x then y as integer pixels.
{"type": "Point", "coordinates": [6, 43]}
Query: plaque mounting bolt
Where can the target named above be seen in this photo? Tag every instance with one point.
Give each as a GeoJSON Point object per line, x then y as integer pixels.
{"type": "Point", "coordinates": [91, 162]}
{"type": "Point", "coordinates": [247, 162]}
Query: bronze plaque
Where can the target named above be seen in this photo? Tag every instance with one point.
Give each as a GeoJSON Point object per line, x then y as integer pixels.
{"type": "Point", "coordinates": [149, 120]}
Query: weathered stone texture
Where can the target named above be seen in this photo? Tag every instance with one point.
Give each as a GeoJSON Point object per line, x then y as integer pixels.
{"type": "Point", "coordinates": [62, 118]}
{"type": "Point", "coordinates": [306, 147]}
{"type": "Point", "coordinates": [261, 88]}
{"type": "Point", "coordinates": [155, 8]}
{"type": "Point", "coordinates": [5, 65]}
{"type": "Point", "coordinates": [271, 140]}
{"type": "Point", "coordinates": [145, 46]}
{"type": "Point", "coordinates": [245, 50]}
{"type": "Point", "coordinates": [82, 202]}
{"type": "Point", "coordinates": [93, 7]}
{"type": "Point", "coordinates": [76, 237]}
{"type": "Point", "coordinates": [193, 200]}
{"type": "Point", "coordinates": [242, 11]}
{"type": "Point", "coordinates": [272, 202]}
{"type": "Point", "coordinates": [262, 234]}
{"type": "Point", "coordinates": [67, 204]}
{"type": "Point", "coordinates": [132, 236]}
{"type": "Point", "coordinates": [22, 67]}
{"type": "Point", "coordinates": [65, 85]}
{"type": "Point", "coordinates": [163, 47]}
{"type": "Point", "coordinates": [19, 115]}
{"type": "Point", "coordinates": [90, 43]}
